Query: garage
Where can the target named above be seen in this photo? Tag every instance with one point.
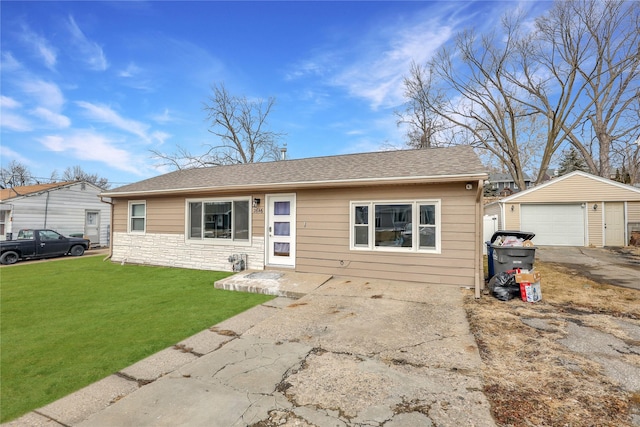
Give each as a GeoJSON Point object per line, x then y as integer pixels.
{"type": "Point", "coordinates": [555, 225]}
{"type": "Point", "coordinates": [577, 209]}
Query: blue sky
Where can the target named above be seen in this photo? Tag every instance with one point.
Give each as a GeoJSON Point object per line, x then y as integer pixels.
{"type": "Point", "coordinates": [99, 84]}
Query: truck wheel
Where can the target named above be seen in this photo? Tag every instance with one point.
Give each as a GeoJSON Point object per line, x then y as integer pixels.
{"type": "Point", "coordinates": [9, 258]}
{"type": "Point", "coordinates": [77, 250]}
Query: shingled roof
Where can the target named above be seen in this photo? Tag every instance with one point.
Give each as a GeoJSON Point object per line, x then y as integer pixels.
{"type": "Point", "coordinates": [25, 190]}
{"type": "Point", "coordinates": [427, 165]}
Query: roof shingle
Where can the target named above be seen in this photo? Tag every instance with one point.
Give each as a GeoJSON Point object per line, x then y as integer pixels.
{"type": "Point", "coordinates": [9, 193]}
{"type": "Point", "coordinates": [425, 164]}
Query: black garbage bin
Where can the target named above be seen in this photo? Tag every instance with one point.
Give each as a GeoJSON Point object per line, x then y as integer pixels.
{"type": "Point", "coordinates": [503, 258]}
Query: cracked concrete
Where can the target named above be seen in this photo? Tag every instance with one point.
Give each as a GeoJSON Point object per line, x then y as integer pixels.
{"type": "Point", "coordinates": [348, 353]}
{"type": "Point", "coordinates": [610, 352]}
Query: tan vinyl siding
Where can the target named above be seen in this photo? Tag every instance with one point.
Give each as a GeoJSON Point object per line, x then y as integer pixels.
{"type": "Point", "coordinates": [511, 217]}
{"type": "Point", "coordinates": [633, 212]}
{"type": "Point", "coordinates": [167, 215]}
{"type": "Point", "coordinates": [323, 235]}
{"type": "Point", "coordinates": [574, 189]}
{"type": "Point", "coordinates": [594, 224]}
{"type": "Point", "coordinates": [120, 210]}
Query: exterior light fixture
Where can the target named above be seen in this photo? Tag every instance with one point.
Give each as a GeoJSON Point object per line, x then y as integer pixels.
{"type": "Point", "coordinates": [256, 202]}
{"type": "Point", "coordinates": [595, 206]}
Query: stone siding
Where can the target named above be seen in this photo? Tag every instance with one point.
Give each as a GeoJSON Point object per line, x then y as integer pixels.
{"type": "Point", "coordinates": [172, 250]}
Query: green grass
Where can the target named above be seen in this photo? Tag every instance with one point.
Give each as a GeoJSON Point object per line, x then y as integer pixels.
{"type": "Point", "coordinates": [66, 324]}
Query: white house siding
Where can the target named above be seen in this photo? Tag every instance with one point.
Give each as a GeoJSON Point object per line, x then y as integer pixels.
{"type": "Point", "coordinates": [172, 250]}
{"type": "Point", "coordinates": [64, 211]}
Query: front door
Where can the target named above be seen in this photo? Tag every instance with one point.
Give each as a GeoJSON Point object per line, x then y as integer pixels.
{"type": "Point", "coordinates": [92, 226]}
{"type": "Point", "coordinates": [281, 230]}
{"type": "Point", "coordinates": [614, 224]}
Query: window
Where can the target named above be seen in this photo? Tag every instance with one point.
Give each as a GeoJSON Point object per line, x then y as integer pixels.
{"type": "Point", "coordinates": [211, 220]}
{"type": "Point", "coordinates": [3, 220]}
{"type": "Point", "coordinates": [137, 217]}
{"type": "Point", "coordinates": [396, 226]}
{"type": "Point", "coordinates": [48, 235]}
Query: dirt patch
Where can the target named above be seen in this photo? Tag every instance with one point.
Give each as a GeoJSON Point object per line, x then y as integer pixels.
{"type": "Point", "coordinates": [530, 377]}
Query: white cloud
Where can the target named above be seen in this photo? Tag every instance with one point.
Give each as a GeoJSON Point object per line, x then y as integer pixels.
{"type": "Point", "coordinates": [374, 64]}
{"type": "Point", "coordinates": [9, 63]}
{"type": "Point", "coordinates": [160, 137]}
{"type": "Point", "coordinates": [44, 93]}
{"type": "Point", "coordinates": [7, 153]}
{"type": "Point", "coordinates": [105, 114]}
{"type": "Point", "coordinates": [91, 52]}
{"type": "Point", "coordinates": [165, 117]}
{"type": "Point", "coordinates": [378, 77]}
{"type": "Point", "coordinates": [88, 145]}
{"type": "Point", "coordinates": [41, 46]}
{"type": "Point", "coordinates": [132, 70]}
{"type": "Point", "coordinates": [7, 102]}
{"type": "Point", "coordinates": [55, 119]}
{"type": "Point", "coordinates": [15, 122]}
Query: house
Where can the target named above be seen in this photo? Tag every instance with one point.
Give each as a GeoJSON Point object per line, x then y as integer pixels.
{"type": "Point", "coordinates": [71, 208]}
{"type": "Point", "coordinates": [411, 215]}
{"type": "Point", "coordinates": [504, 185]}
{"type": "Point", "coordinates": [577, 209]}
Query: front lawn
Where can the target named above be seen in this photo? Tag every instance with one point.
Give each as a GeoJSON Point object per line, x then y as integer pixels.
{"type": "Point", "coordinates": [69, 323]}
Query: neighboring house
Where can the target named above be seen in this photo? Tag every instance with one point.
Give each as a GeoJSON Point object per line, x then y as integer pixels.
{"type": "Point", "coordinates": [551, 173]}
{"type": "Point", "coordinates": [66, 207]}
{"type": "Point", "coordinates": [504, 185]}
{"type": "Point", "coordinates": [577, 209]}
{"type": "Point", "coordinates": [412, 215]}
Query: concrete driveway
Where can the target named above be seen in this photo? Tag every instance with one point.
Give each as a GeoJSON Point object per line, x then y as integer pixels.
{"type": "Point", "coordinates": [348, 352]}
{"type": "Point", "coordinates": [614, 266]}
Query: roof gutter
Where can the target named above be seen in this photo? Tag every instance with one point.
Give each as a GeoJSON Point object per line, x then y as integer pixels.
{"type": "Point", "coordinates": [304, 185]}
{"type": "Point", "coordinates": [479, 275]}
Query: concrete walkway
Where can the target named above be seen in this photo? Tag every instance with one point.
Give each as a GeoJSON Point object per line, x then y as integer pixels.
{"type": "Point", "coordinates": [326, 352]}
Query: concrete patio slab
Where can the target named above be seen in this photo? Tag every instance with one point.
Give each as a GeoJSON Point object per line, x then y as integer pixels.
{"type": "Point", "coordinates": [273, 282]}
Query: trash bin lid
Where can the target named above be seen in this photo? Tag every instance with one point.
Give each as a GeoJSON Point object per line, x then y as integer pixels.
{"type": "Point", "coordinates": [525, 235]}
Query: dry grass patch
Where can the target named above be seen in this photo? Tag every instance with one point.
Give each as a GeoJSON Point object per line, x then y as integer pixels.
{"type": "Point", "coordinates": [530, 377]}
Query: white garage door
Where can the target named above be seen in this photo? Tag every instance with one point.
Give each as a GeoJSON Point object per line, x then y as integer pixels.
{"type": "Point", "coordinates": [554, 225]}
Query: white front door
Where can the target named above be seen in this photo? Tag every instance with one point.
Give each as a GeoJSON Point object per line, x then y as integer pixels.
{"type": "Point", "coordinates": [92, 226]}
{"type": "Point", "coordinates": [281, 230]}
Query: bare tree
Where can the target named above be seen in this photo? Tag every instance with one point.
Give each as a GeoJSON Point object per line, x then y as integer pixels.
{"type": "Point", "coordinates": [522, 96]}
{"type": "Point", "coordinates": [471, 91]}
{"type": "Point", "coordinates": [590, 51]}
{"type": "Point", "coordinates": [76, 173]}
{"type": "Point", "coordinates": [15, 175]}
{"type": "Point", "coordinates": [242, 130]}
{"type": "Point", "coordinates": [423, 123]}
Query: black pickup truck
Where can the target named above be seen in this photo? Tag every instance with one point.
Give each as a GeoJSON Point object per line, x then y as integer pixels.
{"type": "Point", "coordinates": [35, 244]}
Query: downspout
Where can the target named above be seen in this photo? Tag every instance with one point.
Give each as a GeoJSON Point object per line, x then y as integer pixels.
{"type": "Point", "coordinates": [110, 228]}
{"type": "Point", "coordinates": [479, 276]}
{"type": "Point", "coordinates": [46, 210]}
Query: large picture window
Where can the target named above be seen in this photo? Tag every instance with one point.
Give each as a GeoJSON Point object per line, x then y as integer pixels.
{"type": "Point", "coordinates": [218, 220]}
{"type": "Point", "coordinates": [137, 217]}
{"type": "Point", "coordinates": [412, 226]}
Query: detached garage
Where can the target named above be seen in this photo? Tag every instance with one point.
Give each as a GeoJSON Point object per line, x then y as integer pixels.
{"type": "Point", "coordinates": [578, 209]}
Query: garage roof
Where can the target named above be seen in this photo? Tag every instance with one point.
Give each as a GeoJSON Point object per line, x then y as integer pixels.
{"type": "Point", "coordinates": [576, 186]}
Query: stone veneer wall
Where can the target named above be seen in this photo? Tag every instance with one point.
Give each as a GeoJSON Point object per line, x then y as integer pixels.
{"type": "Point", "coordinates": [172, 250]}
